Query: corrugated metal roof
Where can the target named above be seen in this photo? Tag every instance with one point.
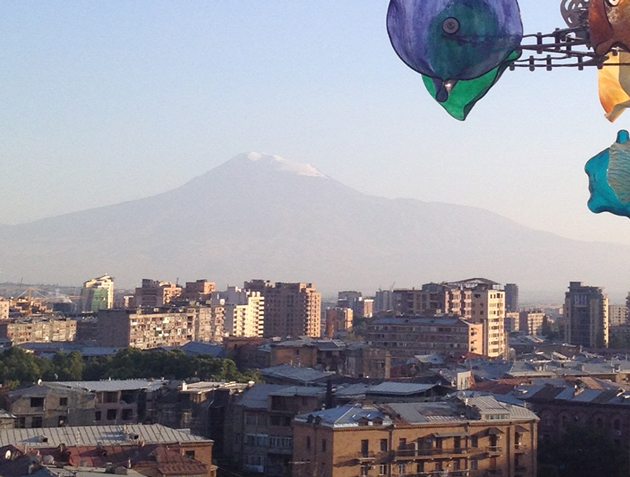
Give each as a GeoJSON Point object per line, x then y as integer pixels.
{"type": "Point", "coordinates": [294, 373]}
{"type": "Point", "coordinates": [110, 385]}
{"type": "Point", "coordinates": [92, 435]}
{"type": "Point", "coordinates": [399, 388]}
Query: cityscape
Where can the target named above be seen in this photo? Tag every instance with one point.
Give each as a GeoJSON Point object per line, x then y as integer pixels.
{"type": "Point", "coordinates": [451, 378]}
{"type": "Point", "coordinates": [238, 239]}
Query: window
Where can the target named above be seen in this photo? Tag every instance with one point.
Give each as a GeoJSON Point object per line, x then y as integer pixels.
{"type": "Point", "coordinates": [37, 402]}
{"type": "Point", "coordinates": [190, 454]}
{"type": "Point", "coordinates": [474, 441]}
{"type": "Point", "coordinates": [382, 469]}
{"type": "Point", "coordinates": [111, 414]}
{"type": "Point", "coordinates": [474, 464]}
{"type": "Point", "coordinates": [383, 445]}
{"type": "Point", "coordinates": [63, 401]}
{"type": "Point", "coordinates": [308, 442]}
{"type": "Point", "coordinates": [365, 468]}
{"type": "Point", "coordinates": [97, 416]}
{"type": "Point", "coordinates": [127, 414]}
{"type": "Point", "coordinates": [21, 423]}
{"type": "Point", "coordinates": [323, 445]}
{"type": "Point", "coordinates": [402, 469]}
{"type": "Point", "coordinates": [365, 447]}
{"type": "Point", "coordinates": [37, 421]}
{"type": "Point", "coordinates": [402, 443]}
{"type": "Point", "coordinates": [420, 467]}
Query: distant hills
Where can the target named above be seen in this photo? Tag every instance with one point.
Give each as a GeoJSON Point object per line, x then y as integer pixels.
{"type": "Point", "coordinates": [259, 216]}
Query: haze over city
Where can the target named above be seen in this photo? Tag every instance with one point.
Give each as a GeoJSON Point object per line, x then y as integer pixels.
{"type": "Point", "coordinates": [106, 102]}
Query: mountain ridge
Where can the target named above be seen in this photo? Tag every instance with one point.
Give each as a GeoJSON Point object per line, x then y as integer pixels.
{"type": "Point", "coordinates": [261, 218]}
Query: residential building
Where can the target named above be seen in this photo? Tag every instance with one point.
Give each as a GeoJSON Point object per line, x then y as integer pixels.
{"type": "Point", "coordinates": [586, 315]}
{"type": "Point", "coordinates": [467, 435]}
{"type": "Point", "coordinates": [38, 329]}
{"type": "Point", "coordinates": [97, 294]}
{"type": "Point", "coordinates": [147, 328]}
{"type": "Point", "coordinates": [511, 297]}
{"type": "Point", "coordinates": [511, 323]}
{"type": "Point", "coordinates": [154, 293]}
{"type": "Point", "coordinates": [338, 319]}
{"type": "Point", "coordinates": [4, 309]}
{"type": "Point", "coordinates": [151, 450]}
{"type": "Point", "coordinates": [405, 337]}
{"type": "Point", "coordinates": [260, 437]}
{"type": "Point", "coordinates": [617, 315]}
{"type": "Point", "coordinates": [244, 312]}
{"type": "Point", "coordinates": [488, 309]}
{"type": "Point", "coordinates": [199, 291]}
{"type": "Point", "coordinates": [291, 309]}
{"type": "Point", "coordinates": [83, 403]}
{"type": "Point", "coordinates": [383, 301]}
{"type": "Point", "coordinates": [531, 322]}
{"type": "Point", "coordinates": [44, 405]}
{"type": "Point", "coordinates": [433, 298]}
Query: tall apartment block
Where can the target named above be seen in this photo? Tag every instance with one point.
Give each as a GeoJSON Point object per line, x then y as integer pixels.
{"type": "Point", "coordinates": [586, 314]}
{"type": "Point", "coordinates": [617, 315]}
{"type": "Point", "coordinates": [511, 297]}
{"type": "Point", "coordinates": [98, 294]}
{"type": "Point", "coordinates": [383, 301]}
{"type": "Point", "coordinates": [244, 312]}
{"type": "Point", "coordinates": [154, 293]}
{"type": "Point", "coordinates": [488, 309]}
{"type": "Point", "coordinates": [434, 298]}
{"type": "Point", "coordinates": [291, 309]}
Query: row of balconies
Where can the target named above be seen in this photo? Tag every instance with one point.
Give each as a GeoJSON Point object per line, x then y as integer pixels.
{"type": "Point", "coordinates": [427, 453]}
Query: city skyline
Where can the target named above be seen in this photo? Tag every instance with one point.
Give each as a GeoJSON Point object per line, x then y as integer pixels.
{"type": "Point", "coordinates": [113, 102]}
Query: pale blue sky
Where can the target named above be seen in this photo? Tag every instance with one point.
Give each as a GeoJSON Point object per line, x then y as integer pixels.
{"type": "Point", "coordinates": [109, 101]}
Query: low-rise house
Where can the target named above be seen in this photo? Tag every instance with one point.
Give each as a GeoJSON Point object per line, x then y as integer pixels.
{"type": "Point", "coordinates": [150, 450]}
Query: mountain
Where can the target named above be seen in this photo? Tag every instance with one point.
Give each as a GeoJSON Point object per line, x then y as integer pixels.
{"type": "Point", "coordinates": [259, 216]}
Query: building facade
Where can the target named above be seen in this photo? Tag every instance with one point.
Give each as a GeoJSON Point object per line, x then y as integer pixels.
{"type": "Point", "coordinates": [461, 437]}
{"type": "Point", "coordinates": [586, 315]}
{"type": "Point", "coordinates": [511, 297]}
{"type": "Point", "coordinates": [617, 315]}
{"type": "Point", "coordinates": [97, 294]}
{"type": "Point", "coordinates": [154, 327]}
{"type": "Point", "coordinates": [154, 293]}
{"type": "Point", "coordinates": [291, 309]}
{"type": "Point", "coordinates": [406, 337]}
{"type": "Point", "coordinates": [38, 329]}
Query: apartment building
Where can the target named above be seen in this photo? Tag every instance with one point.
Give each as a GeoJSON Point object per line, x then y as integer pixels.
{"type": "Point", "coordinates": [617, 315]}
{"type": "Point", "coordinates": [291, 309]}
{"type": "Point", "coordinates": [467, 435]}
{"type": "Point", "coordinates": [4, 309]}
{"type": "Point", "coordinates": [38, 329]}
{"type": "Point", "coordinates": [488, 309]}
{"type": "Point", "coordinates": [260, 439]}
{"type": "Point", "coordinates": [154, 293]}
{"type": "Point", "coordinates": [531, 322]}
{"type": "Point", "coordinates": [586, 315]}
{"type": "Point", "coordinates": [97, 294]}
{"type": "Point", "coordinates": [199, 291]}
{"type": "Point", "coordinates": [406, 337]}
{"type": "Point", "coordinates": [434, 298]}
{"type": "Point", "coordinates": [147, 328]}
{"type": "Point", "coordinates": [244, 311]}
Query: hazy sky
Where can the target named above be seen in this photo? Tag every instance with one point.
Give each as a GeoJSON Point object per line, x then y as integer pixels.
{"type": "Point", "coordinates": [103, 102]}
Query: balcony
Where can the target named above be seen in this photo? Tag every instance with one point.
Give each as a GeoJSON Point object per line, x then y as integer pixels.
{"type": "Point", "coordinates": [520, 448]}
{"type": "Point", "coordinates": [434, 451]}
{"type": "Point", "coordinates": [494, 450]}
